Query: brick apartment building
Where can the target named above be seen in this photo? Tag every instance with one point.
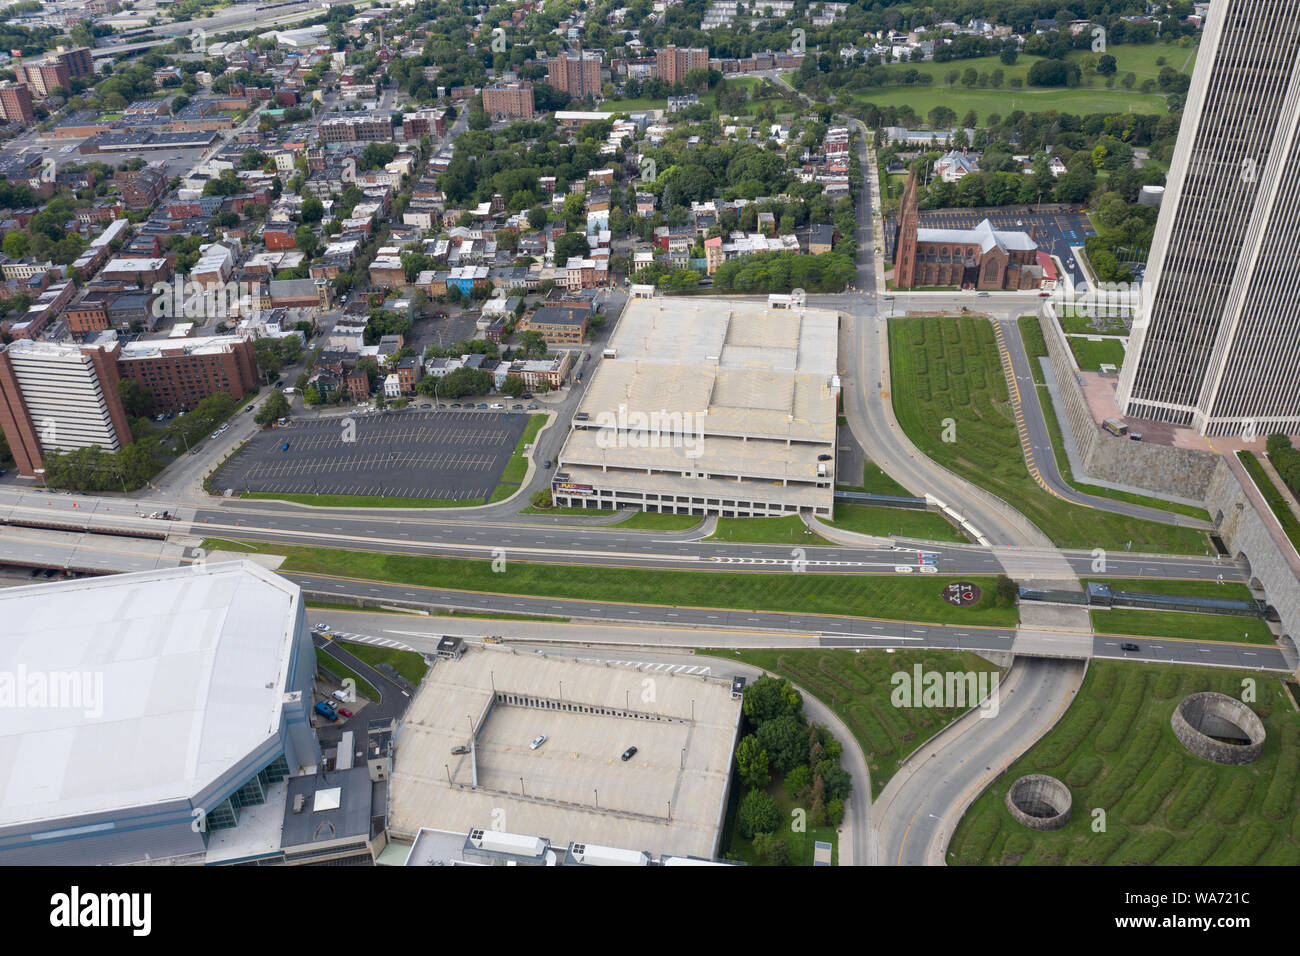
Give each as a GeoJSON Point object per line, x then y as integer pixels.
{"type": "Point", "coordinates": [141, 188]}
{"type": "Point", "coordinates": [16, 103]}
{"type": "Point", "coordinates": [672, 64]}
{"type": "Point", "coordinates": [509, 100]}
{"type": "Point", "coordinates": [56, 397]}
{"type": "Point", "coordinates": [181, 374]}
{"type": "Point", "coordinates": [352, 130]}
{"type": "Point", "coordinates": [578, 74]}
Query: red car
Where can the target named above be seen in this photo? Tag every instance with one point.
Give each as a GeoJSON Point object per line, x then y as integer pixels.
{"type": "Point", "coordinates": [343, 711]}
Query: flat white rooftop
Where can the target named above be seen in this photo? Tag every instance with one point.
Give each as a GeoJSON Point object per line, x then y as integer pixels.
{"type": "Point", "coordinates": [575, 786]}
{"type": "Point", "coordinates": [168, 678]}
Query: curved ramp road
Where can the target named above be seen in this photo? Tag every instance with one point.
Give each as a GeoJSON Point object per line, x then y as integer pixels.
{"type": "Point", "coordinates": [919, 808]}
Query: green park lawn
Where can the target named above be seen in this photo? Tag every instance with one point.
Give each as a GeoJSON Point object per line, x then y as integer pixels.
{"type": "Point", "coordinates": [948, 368]}
{"type": "Point", "coordinates": [1092, 355]}
{"type": "Point", "coordinates": [876, 482]}
{"type": "Point", "coordinates": [896, 522]}
{"type": "Point", "coordinates": [890, 596]}
{"type": "Point", "coordinates": [1162, 805]}
{"type": "Point", "coordinates": [857, 687]}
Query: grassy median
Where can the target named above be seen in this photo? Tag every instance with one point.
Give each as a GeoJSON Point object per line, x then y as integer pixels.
{"type": "Point", "coordinates": [896, 523]}
{"type": "Point", "coordinates": [910, 597]}
{"type": "Point", "coordinates": [949, 383]}
{"type": "Point", "coordinates": [1163, 805]}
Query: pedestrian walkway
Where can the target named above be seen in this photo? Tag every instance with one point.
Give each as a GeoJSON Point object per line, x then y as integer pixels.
{"type": "Point", "coordinates": [1017, 408]}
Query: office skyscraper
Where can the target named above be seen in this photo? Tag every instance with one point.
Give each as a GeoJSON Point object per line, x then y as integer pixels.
{"type": "Point", "coordinates": [1216, 341]}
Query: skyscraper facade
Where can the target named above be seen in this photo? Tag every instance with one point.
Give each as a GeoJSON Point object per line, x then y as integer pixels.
{"type": "Point", "coordinates": [1216, 338]}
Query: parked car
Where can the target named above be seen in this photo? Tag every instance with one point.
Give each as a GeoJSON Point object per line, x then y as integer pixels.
{"type": "Point", "coordinates": [549, 463]}
{"type": "Point", "coordinates": [496, 405]}
{"type": "Point", "coordinates": [981, 295]}
{"type": "Point", "coordinates": [481, 405]}
{"type": "Point", "coordinates": [629, 753]}
{"type": "Point", "coordinates": [326, 710]}
{"type": "Point", "coordinates": [532, 406]}
{"type": "Point", "coordinates": [1044, 295]}
{"type": "Point", "coordinates": [1129, 647]}
{"type": "Point", "coordinates": [537, 741]}
{"type": "Point", "coordinates": [823, 457]}
{"type": "Point", "coordinates": [494, 639]}
{"type": "Point", "coordinates": [344, 711]}
{"type": "Point", "coordinates": [426, 405]}
{"type": "Point", "coordinates": [216, 434]}
{"type": "Point", "coordinates": [457, 751]}
{"type": "Point", "coordinates": [341, 696]}
{"type": "Point", "coordinates": [322, 628]}
{"type": "Point", "coordinates": [514, 408]}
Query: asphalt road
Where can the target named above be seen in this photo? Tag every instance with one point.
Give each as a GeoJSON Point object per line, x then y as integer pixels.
{"type": "Point", "coordinates": [809, 630]}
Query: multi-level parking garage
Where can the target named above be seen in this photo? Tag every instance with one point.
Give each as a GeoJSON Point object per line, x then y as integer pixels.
{"type": "Point", "coordinates": [708, 407]}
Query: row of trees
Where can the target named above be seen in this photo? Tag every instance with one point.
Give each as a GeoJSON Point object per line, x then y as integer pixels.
{"type": "Point", "coordinates": [1286, 459]}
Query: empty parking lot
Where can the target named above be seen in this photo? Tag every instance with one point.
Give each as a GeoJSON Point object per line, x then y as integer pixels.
{"type": "Point", "coordinates": [452, 455]}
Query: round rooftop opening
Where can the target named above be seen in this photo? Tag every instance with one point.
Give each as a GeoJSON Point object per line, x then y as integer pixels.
{"type": "Point", "coordinates": [1219, 728]}
{"type": "Point", "coordinates": [1040, 802]}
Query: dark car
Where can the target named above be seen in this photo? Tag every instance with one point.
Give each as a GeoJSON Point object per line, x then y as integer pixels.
{"type": "Point", "coordinates": [549, 463]}
{"type": "Point", "coordinates": [426, 405]}
{"type": "Point", "coordinates": [629, 753]}
{"type": "Point", "coordinates": [526, 395]}
{"type": "Point", "coordinates": [481, 405]}
{"type": "Point", "coordinates": [455, 404]}
{"type": "Point", "coordinates": [823, 457]}
{"type": "Point", "coordinates": [457, 751]}
{"type": "Point", "coordinates": [1129, 647]}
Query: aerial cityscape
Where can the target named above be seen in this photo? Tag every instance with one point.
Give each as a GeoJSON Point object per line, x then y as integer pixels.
{"type": "Point", "coordinates": [650, 433]}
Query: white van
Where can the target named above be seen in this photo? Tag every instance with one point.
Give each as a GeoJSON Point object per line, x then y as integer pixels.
{"type": "Point", "coordinates": [291, 391]}
{"type": "Point", "coordinates": [496, 405]}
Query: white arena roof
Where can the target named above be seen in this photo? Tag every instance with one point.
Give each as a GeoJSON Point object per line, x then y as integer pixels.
{"type": "Point", "coordinates": [172, 677]}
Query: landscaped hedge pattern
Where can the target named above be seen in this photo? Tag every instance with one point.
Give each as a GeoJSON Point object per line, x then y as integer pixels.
{"type": "Point", "coordinates": [1115, 750]}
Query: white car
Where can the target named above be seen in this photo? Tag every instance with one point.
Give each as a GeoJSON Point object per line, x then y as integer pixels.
{"type": "Point", "coordinates": [340, 695]}
{"type": "Point", "coordinates": [903, 568]}
{"type": "Point", "coordinates": [217, 433]}
{"type": "Point", "coordinates": [537, 741]}
{"type": "Point", "coordinates": [322, 628]}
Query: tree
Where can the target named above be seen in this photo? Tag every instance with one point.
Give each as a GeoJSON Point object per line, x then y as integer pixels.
{"type": "Point", "coordinates": [758, 813]}
{"type": "Point", "coordinates": [797, 781]}
{"type": "Point", "coordinates": [752, 763]}
{"type": "Point", "coordinates": [1106, 65]}
{"type": "Point", "coordinates": [785, 741]}
{"type": "Point", "coordinates": [275, 407]}
{"type": "Point", "coordinates": [542, 499]}
{"type": "Point", "coordinates": [538, 217]}
{"type": "Point", "coordinates": [569, 245]}
{"type": "Point", "coordinates": [514, 386]}
{"type": "Point", "coordinates": [313, 210]}
{"type": "Point", "coordinates": [136, 399]}
{"type": "Point", "coordinates": [531, 344]}
{"type": "Point", "coordinates": [772, 849]}
{"type": "Point", "coordinates": [771, 697]}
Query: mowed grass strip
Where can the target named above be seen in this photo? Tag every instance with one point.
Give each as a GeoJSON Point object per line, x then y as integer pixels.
{"type": "Point", "coordinates": [896, 522]}
{"type": "Point", "coordinates": [407, 663]}
{"type": "Point", "coordinates": [897, 597]}
{"type": "Point", "coordinates": [789, 529]}
{"type": "Point", "coordinates": [946, 368]}
{"type": "Point", "coordinates": [1115, 750]}
{"type": "Point", "coordinates": [1219, 590]}
{"type": "Point", "coordinates": [1143, 622]}
{"type": "Point", "coordinates": [654, 521]}
{"type": "Point", "coordinates": [859, 689]}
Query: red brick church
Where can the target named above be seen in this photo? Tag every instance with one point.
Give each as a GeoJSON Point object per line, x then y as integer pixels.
{"type": "Point", "coordinates": [979, 258]}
